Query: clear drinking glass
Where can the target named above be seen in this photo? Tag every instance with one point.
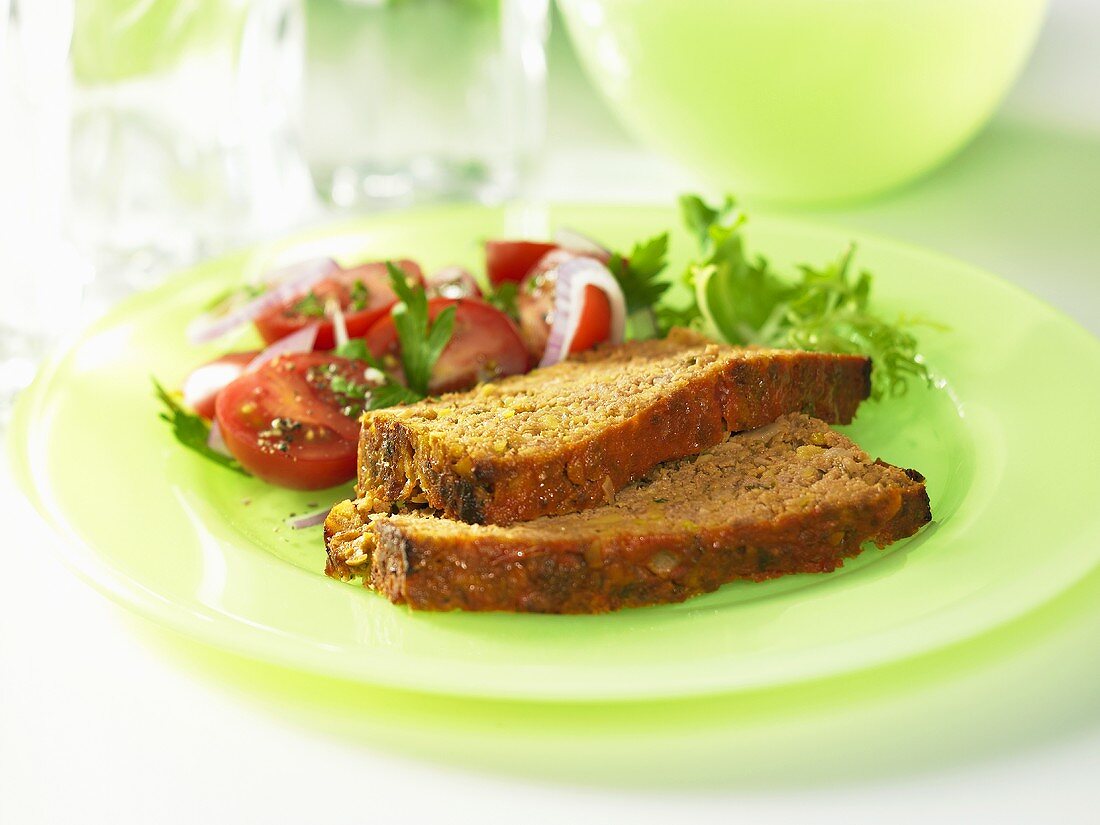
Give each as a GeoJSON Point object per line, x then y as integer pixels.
{"type": "Point", "coordinates": [184, 128]}
{"type": "Point", "coordinates": [413, 100]}
{"type": "Point", "coordinates": [40, 278]}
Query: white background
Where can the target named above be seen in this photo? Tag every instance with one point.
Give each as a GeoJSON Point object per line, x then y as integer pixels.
{"type": "Point", "coordinates": [105, 718]}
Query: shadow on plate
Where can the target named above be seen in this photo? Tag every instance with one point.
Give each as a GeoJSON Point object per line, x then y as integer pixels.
{"type": "Point", "coordinates": [1030, 682]}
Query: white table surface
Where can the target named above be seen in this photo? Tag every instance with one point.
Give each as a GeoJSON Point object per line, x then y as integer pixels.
{"type": "Point", "coordinates": [107, 718]}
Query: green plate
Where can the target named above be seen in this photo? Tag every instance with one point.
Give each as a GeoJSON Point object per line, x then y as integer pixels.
{"type": "Point", "coordinates": [1007, 439]}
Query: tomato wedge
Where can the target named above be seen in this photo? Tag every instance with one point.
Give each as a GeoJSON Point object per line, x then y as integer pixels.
{"type": "Point", "coordinates": [363, 293]}
{"type": "Point", "coordinates": [485, 344]}
{"type": "Point", "coordinates": [594, 326]}
{"type": "Point", "coordinates": [535, 303]}
{"type": "Point", "coordinates": [512, 260]}
{"type": "Point", "coordinates": [202, 386]}
{"type": "Point", "coordinates": [286, 424]}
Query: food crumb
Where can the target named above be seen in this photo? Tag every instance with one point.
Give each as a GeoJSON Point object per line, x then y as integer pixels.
{"type": "Point", "coordinates": [608, 489]}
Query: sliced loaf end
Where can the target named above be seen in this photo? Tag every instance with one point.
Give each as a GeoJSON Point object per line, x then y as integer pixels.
{"type": "Point", "coordinates": [792, 497]}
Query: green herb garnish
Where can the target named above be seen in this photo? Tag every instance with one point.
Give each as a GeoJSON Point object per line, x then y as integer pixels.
{"type": "Point", "coordinates": [356, 350]}
{"type": "Point", "coordinates": [699, 217]}
{"type": "Point", "coordinates": [192, 431]}
{"type": "Point", "coordinates": [360, 297]}
{"type": "Point", "coordinates": [422, 340]}
{"type": "Point", "coordinates": [391, 394]}
{"type": "Point", "coordinates": [639, 276]}
{"type": "Point", "coordinates": [503, 297]}
{"type": "Point", "coordinates": [734, 294]}
{"type": "Point", "coordinates": [374, 396]}
{"type": "Point", "coordinates": [351, 390]}
{"type": "Point", "coordinates": [310, 305]}
{"type": "Point", "coordinates": [829, 313]}
{"type": "Point", "coordinates": [637, 273]}
{"type": "Point", "coordinates": [825, 309]}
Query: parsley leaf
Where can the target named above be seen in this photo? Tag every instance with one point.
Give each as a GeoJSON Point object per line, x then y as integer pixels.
{"type": "Point", "coordinates": [310, 305]}
{"type": "Point", "coordinates": [356, 350]}
{"type": "Point", "coordinates": [192, 431]}
{"type": "Point", "coordinates": [503, 297]}
{"type": "Point", "coordinates": [387, 394]}
{"type": "Point", "coordinates": [360, 297]}
{"type": "Point", "coordinates": [421, 344]}
{"type": "Point", "coordinates": [745, 301]}
{"type": "Point", "coordinates": [637, 273]}
{"type": "Point", "coordinates": [352, 390]}
{"type": "Point", "coordinates": [422, 340]}
{"type": "Point", "coordinates": [391, 394]}
{"type": "Point", "coordinates": [700, 218]}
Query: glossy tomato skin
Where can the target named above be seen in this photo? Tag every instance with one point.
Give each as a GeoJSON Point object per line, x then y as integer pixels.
{"type": "Point", "coordinates": [283, 320]}
{"type": "Point", "coordinates": [285, 424]}
{"type": "Point", "coordinates": [201, 388]}
{"type": "Point", "coordinates": [485, 344]}
{"type": "Point", "coordinates": [595, 324]}
{"type": "Point", "coordinates": [510, 261]}
{"type": "Point", "coordinates": [535, 303]}
{"type": "Point", "coordinates": [453, 282]}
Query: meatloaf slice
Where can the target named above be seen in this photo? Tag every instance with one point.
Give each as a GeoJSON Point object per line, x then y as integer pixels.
{"type": "Point", "coordinates": [791, 497]}
{"type": "Point", "coordinates": [566, 438]}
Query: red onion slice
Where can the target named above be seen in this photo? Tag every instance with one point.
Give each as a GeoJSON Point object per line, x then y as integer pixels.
{"type": "Point", "coordinates": [572, 277]}
{"type": "Point", "coordinates": [283, 285]}
{"type": "Point", "coordinates": [300, 341]}
{"type": "Point", "coordinates": [310, 519]}
{"type": "Point", "coordinates": [339, 323]}
{"type": "Point", "coordinates": [550, 261]}
{"type": "Point", "coordinates": [454, 282]}
{"type": "Point", "coordinates": [209, 379]}
{"type": "Point", "coordinates": [577, 242]}
{"type": "Point", "coordinates": [216, 441]}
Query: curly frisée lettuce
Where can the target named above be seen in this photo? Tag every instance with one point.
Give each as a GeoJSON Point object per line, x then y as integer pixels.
{"type": "Point", "coordinates": [743, 300]}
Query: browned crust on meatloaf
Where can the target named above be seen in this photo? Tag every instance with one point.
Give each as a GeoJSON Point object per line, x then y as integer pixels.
{"type": "Point", "coordinates": [431, 564]}
{"type": "Point", "coordinates": [401, 458]}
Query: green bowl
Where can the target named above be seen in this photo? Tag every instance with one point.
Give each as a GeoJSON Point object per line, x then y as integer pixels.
{"type": "Point", "coordinates": [804, 100]}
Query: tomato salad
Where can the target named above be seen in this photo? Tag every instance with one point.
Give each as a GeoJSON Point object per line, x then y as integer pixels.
{"type": "Point", "coordinates": [342, 340]}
